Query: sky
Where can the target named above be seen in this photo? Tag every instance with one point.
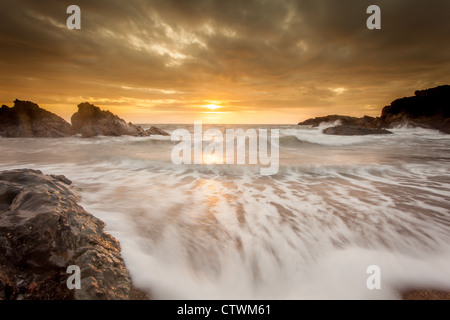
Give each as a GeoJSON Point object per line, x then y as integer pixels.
{"type": "Point", "coordinates": [222, 61]}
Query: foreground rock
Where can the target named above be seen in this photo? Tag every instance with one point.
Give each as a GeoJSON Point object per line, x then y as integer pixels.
{"type": "Point", "coordinates": [427, 108]}
{"type": "Point", "coordinates": [90, 121]}
{"type": "Point", "coordinates": [422, 294]}
{"type": "Point", "coordinates": [27, 119]}
{"type": "Point", "coordinates": [43, 231]}
{"type": "Point", "coordinates": [353, 131]}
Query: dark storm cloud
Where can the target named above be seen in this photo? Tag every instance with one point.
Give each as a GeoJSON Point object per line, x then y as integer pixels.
{"type": "Point", "coordinates": [256, 52]}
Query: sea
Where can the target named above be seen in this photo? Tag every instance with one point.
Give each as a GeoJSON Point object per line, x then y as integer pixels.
{"type": "Point", "coordinates": [344, 217]}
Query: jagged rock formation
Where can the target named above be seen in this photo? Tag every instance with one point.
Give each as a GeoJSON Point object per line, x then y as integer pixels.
{"type": "Point", "coordinates": [364, 122]}
{"type": "Point", "coordinates": [347, 130]}
{"type": "Point", "coordinates": [427, 109]}
{"type": "Point", "coordinates": [156, 131]}
{"type": "Point", "coordinates": [349, 126]}
{"type": "Point", "coordinates": [90, 121]}
{"type": "Point", "coordinates": [43, 231]}
{"type": "Point", "coordinates": [27, 119]}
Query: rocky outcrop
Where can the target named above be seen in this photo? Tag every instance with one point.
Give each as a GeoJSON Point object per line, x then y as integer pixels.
{"type": "Point", "coordinates": [364, 122]}
{"type": "Point", "coordinates": [27, 119]}
{"type": "Point", "coordinates": [349, 126]}
{"type": "Point", "coordinates": [43, 231]}
{"type": "Point", "coordinates": [90, 121]}
{"type": "Point", "coordinates": [345, 130]}
{"type": "Point", "coordinates": [156, 131]}
{"type": "Point", "coordinates": [427, 108]}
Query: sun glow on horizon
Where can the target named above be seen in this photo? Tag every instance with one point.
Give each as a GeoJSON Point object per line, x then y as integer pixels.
{"type": "Point", "coordinates": [212, 106]}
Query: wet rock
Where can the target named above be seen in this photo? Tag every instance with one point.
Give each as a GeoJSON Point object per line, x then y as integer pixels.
{"type": "Point", "coordinates": [156, 131]}
{"type": "Point", "coordinates": [353, 131]}
{"type": "Point", "coordinates": [427, 108]}
{"type": "Point", "coordinates": [425, 294]}
{"type": "Point", "coordinates": [43, 231]}
{"type": "Point", "coordinates": [91, 121]}
{"type": "Point", "coordinates": [363, 122]}
{"type": "Point", "coordinates": [27, 119]}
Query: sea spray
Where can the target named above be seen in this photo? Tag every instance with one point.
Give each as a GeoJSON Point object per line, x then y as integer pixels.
{"type": "Point", "coordinates": [335, 207]}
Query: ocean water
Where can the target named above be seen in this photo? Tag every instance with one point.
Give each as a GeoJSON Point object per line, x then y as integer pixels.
{"type": "Point", "coordinates": [336, 206]}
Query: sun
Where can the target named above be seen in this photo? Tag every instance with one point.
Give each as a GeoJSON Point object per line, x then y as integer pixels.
{"type": "Point", "coordinates": [212, 106]}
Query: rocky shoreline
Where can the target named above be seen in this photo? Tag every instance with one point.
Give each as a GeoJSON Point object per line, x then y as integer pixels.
{"type": "Point", "coordinates": [27, 119]}
{"type": "Point", "coordinates": [429, 109]}
{"type": "Point", "coordinates": [42, 228]}
{"type": "Point", "coordinates": [43, 231]}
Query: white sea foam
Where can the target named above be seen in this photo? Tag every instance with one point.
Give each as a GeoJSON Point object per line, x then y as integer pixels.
{"type": "Point", "coordinates": [336, 206]}
{"type": "Point", "coordinates": [315, 136]}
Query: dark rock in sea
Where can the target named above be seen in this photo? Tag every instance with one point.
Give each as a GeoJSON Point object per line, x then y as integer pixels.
{"type": "Point", "coordinates": [364, 122]}
{"type": "Point", "coordinates": [428, 109]}
{"type": "Point", "coordinates": [353, 131]}
{"type": "Point", "coordinates": [90, 121]}
{"type": "Point", "coordinates": [156, 131]}
{"type": "Point", "coordinates": [43, 231]}
{"type": "Point", "coordinates": [349, 126]}
{"type": "Point", "coordinates": [27, 119]}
